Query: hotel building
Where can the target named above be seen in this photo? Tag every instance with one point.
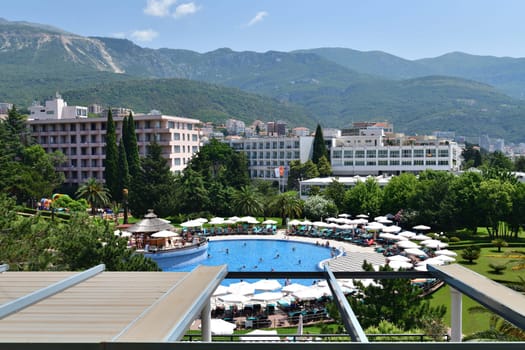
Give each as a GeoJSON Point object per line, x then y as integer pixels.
{"type": "Point", "coordinates": [58, 127]}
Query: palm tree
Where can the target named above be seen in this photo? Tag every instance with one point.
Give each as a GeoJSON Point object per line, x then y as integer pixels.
{"type": "Point", "coordinates": [499, 328]}
{"type": "Point", "coordinates": [247, 201]}
{"type": "Point", "coordinates": [288, 205]}
{"type": "Point", "coordinates": [95, 193]}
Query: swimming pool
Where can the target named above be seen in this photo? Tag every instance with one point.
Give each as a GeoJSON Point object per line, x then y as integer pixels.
{"type": "Point", "coordinates": [256, 255]}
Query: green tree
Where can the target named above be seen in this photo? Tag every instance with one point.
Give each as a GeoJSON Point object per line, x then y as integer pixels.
{"type": "Point", "coordinates": [193, 194]}
{"type": "Point", "coordinates": [519, 163]}
{"type": "Point", "coordinates": [463, 201]}
{"type": "Point", "coordinates": [498, 160]}
{"type": "Point", "coordinates": [132, 148]}
{"type": "Point", "coordinates": [288, 205]}
{"type": "Point", "coordinates": [124, 177]}
{"type": "Point", "coordinates": [94, 193]}
{"type": "Point", "coordinates": [499, 329]}
{"type": "Point", "coordinates": [217, 161]}
{"type": "Point", "coordinates": [495, 199]}
{"type": "Point", "coordinates": [364, 197]}
{"type": "Point", "coordinates": [317, 207]}
{"type": "Point", "coordinates": [154, 187]}
{"type": "Point", "coordinates": [472, 156]}
{"type": "Point", "coordinates": [471, 253]}
{"type": "Point", "coordinates": [429, 200]}
{"type": "Point", "coordinates": [319, 146]}
{"type": "Point", "coordinates": [324, 167]}
{"type": "Point", "coordinates": [399, 193]}
{"type": "Point", "coordinates": [247, 201]}
{"type": "Point", "coordinates": [397, 301]}
{"type": "Point", "coordinates": [335, 191]}
{"type": "Point", "coordinates": [499, 243]}
{"type": "Point", "coordinates": [111, 159]}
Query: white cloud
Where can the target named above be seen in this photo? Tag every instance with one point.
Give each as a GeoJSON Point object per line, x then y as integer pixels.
{"type": "Point", "coordinates": [144, 35]}
{"type": "Point", "coordinates": [159, 8]}
{"type": "Point", "coordinates": [186, 9]}
{"type": "Point", "coordinates": [258, 17]}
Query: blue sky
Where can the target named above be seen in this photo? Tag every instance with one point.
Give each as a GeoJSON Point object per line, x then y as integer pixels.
{"type": "Point", "coordinates": [407, 28]}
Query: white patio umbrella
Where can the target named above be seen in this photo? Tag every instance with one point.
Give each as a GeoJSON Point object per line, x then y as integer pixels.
{"type": "Point", "coordinates": [420, 237]}
{"type": "Point", "coordinates": [242, 287]}
{"type": "Point", "coordinates": [267, 296]}
{"type": "Point", "coordinates": [445, 258]}
{"type": "Point", "coordinates": [392, 229]}
{"type": "Point", "coordinates": [407, 234]}
{"type": "Point", "coordinates": [191, 223]}
{"type": "Point", "coordinates": [269, 336]}
{"type": "Point", "coordinates": [421, 268]}
{"type": "Point", "coordinates": [407, 244]}
{"type": "Point", "coordinates": [229, 222]}
{"type": "Point", "coordinates": [362, 216]}
{"type": "Point", "coordinates": [248, 219]}
{"type": "Point", "coordinates": [201, 220]}
{"type": "Point", "coordinates": [269, 222]}
{"type": "Point", "coordinates": [292, 288]}
{"type": "Point", "coordinates": [434, 244]}
{"type": "Point", "coordinates": [330, 219]}
{"type": "Point", "coordinates": [164, 234]}
{"type": "Point", "coordinates": [294, 222]}
{"type": "Point", "coordinates": [421, 228]}
{"type": "Point", "coordinates": [396, 265]}
{"type": "Point", "coordinates": [431, 261]}
{"type": "Point", "coordinates": [221, 327]}
{"type": "Point", "coordinates": [398, 258]}
{"type": "Point", "coordinates": [344, 215]}
{"type": "Point", "coordinates": [446, 252]}
{"type": "Point", "coordinates": [319, 224]}
{"type": "Point", "coordinates": [386, 235]}
{"type": "Point", "coordinates": [310, 293]}
{"type": "Point", "coordinates": [374, 226]}
{"type": "Point", "coordinates": [216, 221]}
{"type": "Point", "coordinates": [234, 298]}
{"type": "Point", "coordinates": [267, 285]}
{"type": "Point", "coordinates": [416, 252]}
{"type": "Point", "coordinates": [221, 290]}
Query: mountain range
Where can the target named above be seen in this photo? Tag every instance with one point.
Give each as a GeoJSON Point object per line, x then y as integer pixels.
{"type": "Point", "coordinates": [468, 94]}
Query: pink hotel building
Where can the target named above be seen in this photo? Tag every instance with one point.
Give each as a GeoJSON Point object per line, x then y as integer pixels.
{"type": "Point", "coordinates": [58, 127]}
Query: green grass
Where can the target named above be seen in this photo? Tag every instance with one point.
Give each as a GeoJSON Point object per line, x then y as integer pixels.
{"type": "Point", "coordinates": [475, 322]}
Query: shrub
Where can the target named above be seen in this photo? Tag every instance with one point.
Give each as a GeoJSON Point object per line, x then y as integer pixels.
{"type": "Point", "coordinates": [455, 239]}
{"type": "Point", "coordinates": [497, 268]}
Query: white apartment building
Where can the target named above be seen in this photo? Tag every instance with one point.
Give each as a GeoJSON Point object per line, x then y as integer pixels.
{"type": "Point", "coordinates": [56, 108]}
{"type": "Point", "coordinates": [82, 140]}
{"type": "Point", "coordinates": [266, 154]}
{"type": "Point", "coordinates": [370, 153]}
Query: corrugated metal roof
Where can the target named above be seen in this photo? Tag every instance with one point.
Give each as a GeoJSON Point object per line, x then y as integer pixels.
{"type": "Point", "coordinates": [102, 307]}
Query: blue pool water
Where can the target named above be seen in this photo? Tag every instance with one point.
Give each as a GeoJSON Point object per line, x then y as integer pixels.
{"type": "Point", "coordinates": [255, 255]}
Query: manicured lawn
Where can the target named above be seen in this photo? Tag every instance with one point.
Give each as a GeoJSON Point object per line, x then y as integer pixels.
{"type": "Point", "coordinates": [476, 322]}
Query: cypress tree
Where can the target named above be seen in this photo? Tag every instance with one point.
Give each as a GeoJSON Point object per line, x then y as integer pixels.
{"type": "Point", "coordinates": [132, 148]}
{"type": "Point", "coordinates": [319, 147]}
{"type": "Point", "coordinates": [123, 170]}
{"type": "Point", "coordinates": [111, 161]}
{"type": "Point", "coordinates": [125, 134]}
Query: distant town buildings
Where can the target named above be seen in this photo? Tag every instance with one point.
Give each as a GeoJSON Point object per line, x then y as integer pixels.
{"type": "Point", "coordinates": [55, 109]}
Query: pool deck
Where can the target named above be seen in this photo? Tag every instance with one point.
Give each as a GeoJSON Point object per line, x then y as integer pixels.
{"type": "Point", "coordinates": [351, 261]}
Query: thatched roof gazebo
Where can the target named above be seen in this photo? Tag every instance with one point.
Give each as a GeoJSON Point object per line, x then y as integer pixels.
{"type": "Point", "coordinates": [150, 224]}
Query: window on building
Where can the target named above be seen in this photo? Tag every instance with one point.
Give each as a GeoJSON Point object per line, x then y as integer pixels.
{"type": "Point", "coordinates": [171, 125]}
{"type": "Point", "coordinates": [93, 138]}
{"type": "Point", "coordinates": [195, 137]}
{"type": "Point", "coordinates": [189, 126]}
{"type": "Point", "coordinates": [359, 154]}
{"type": "Point", "coordinates": [394, 162]}
{"type": "Point", "coordinates": [431, 152]}
{"type": "Point", "coordinates": [382, 162]}
{"type": "Point", "coordinates": [443, 162]}
{"type": "Point", "coordinates": [443, 153]}
{"type": "Point", "coordinates": [348, 162]}
{"type": "Point", "coordinates": [194, 149]}
{"type": "Point", "coordinates": [336, 154]}
{"type": "Point", "coordinates": [176, 136]}
{"type": "Point", "coordinates": [72, 127]}
{"type": "Point", "coordinates": [360, 163]}
{"type": "Point", "coordinates": [406, 162]}
{"type": "Point", "coordinates": [371, 153]}
{"type": "Point", "coordinates": [371, 163]}
{"type": "Point", "coordinates": [431, 162]}
{"type": "Point", "coordinates": [418, 153]}
{"type": "Point", "coordinates": [419, 162]}
{"type": "Point", "coordinates": [296, 154]}
{"type": "Point", "coordinates": [147, 124]}
{"type": "Point", "coordinates": [407, 153]}
{"type": "Point", "coordinates": [394, 154]}
{"type": "Point", "coordinates": [176, 149]}
{"type": "Point", "coordinates": [382, 153]}
{"type": "Point", "coordinates": [176, 161]}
